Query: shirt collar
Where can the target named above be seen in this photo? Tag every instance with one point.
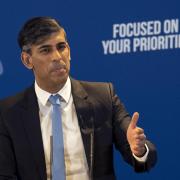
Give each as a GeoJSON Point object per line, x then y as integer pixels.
{"type": "Point", "coordinates": [43, 96]}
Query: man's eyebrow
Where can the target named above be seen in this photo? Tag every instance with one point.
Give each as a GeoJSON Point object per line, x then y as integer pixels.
{"type": "Point", "coordinates": [48, 46]}
{"type": "Point", "coordinates": [62, 42]}
{"type": "Point", "coordinates": [44, 46]}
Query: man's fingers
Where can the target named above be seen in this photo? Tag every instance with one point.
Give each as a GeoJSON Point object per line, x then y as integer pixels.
{"type": "Point", "coordinates": [139, 130]}
{"type": "Point", "coordinates": [140, 142]}
{"type": "Point", "coordinates": [140, 137]}
{"type": "Point", "coordinates": [134, 120]}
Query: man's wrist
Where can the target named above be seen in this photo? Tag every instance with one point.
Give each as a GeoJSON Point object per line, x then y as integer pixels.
{"type": "Point", "coordinates": [143, 158]}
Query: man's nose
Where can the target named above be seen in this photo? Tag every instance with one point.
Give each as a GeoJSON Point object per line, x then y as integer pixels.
{"type": "Point", "coordinates": [57, 55]}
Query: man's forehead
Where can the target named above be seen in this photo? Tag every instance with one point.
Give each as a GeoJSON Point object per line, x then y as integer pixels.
{"type": "Point", "coordinates": [52, 39]}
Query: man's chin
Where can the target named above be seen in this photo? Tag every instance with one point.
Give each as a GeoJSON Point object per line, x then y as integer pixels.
{"type": "Point", "coordinates": [60, 80]}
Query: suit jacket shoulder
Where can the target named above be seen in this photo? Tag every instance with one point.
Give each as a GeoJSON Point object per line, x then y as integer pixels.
{"type": "Point", "coordinates": [101, 92]}
{"type": "Point", "coordinates": [19, 99]}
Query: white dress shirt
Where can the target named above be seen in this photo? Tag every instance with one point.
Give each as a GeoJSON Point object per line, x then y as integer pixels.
{"type": "Point", "coordinates": [75, 159]}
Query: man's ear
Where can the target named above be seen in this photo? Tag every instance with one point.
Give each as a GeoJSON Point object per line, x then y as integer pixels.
{"type": "Point", "coordinates": [26, 60]}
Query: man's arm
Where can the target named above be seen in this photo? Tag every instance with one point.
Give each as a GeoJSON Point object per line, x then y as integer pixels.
{"type": "Point", "coordinates": [7, 160]}
{"type": "Point", "coordinates": [121, 122]}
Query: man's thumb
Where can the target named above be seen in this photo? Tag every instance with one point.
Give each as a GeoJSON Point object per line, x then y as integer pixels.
{"type": "Point", "coordinates": [134, 120]}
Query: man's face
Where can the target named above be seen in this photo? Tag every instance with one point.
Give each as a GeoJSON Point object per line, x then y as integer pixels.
{"type": "Point", "coordinates": [50, 62]}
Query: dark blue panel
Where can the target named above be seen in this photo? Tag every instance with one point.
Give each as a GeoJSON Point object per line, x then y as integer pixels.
{"type": "Point", "coordinates": [148, 82]}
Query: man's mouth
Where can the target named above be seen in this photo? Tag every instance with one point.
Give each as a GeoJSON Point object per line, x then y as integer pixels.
{"type": "Point", "coordinates": [59, 69]}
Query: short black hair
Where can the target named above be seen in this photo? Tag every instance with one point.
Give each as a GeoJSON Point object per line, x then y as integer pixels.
{"type": "Point", "coordinates": [36, 30]}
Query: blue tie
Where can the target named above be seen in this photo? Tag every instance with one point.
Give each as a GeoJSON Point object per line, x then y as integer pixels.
{"type": "Point", "coordinates": [58, 166]}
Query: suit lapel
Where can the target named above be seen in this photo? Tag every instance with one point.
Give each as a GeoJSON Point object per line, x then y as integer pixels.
{"type": "Point", "coordinates": [32, 127]}
{"type": "Point", "coordinates": [85, 114]}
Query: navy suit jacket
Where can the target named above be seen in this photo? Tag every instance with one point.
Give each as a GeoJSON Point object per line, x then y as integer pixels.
{"type": "Point", "coordinates": [103, 123]}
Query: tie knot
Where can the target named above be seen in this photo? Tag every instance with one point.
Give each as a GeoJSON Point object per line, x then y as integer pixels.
{"type": "Point", "coordinates": [54, 99]}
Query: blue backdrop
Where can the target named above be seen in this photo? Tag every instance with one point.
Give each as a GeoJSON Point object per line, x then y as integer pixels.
{"type": "Point", "coordinates": [146, 81]}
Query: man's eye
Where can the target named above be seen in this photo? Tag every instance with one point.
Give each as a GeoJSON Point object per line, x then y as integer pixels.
{"type": "Point", "coordinates": [46, 50]}
{"type": "Point", "coordinates": [61, 46]}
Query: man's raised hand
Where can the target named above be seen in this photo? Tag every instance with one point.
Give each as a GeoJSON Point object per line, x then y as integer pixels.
{"type": "Point", "coordinates": [136, 137]}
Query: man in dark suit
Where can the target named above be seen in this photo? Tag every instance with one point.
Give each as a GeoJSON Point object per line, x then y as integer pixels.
{"type": "Point", "coordinates": [93, 117]}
